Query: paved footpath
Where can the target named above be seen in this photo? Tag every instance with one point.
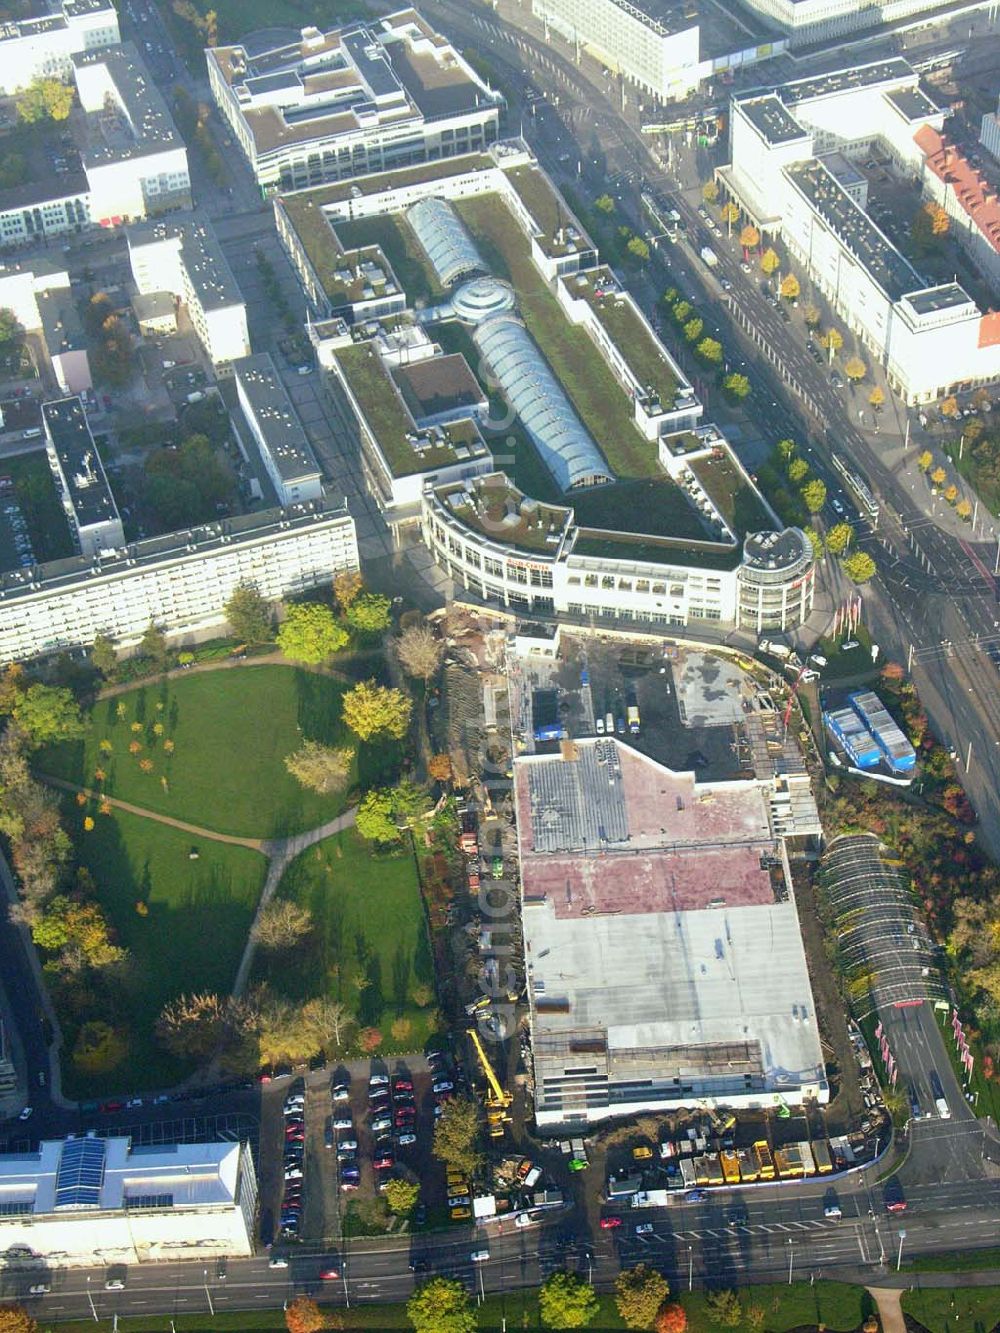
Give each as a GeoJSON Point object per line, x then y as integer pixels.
{"type": "Point", "coordinates": [890, 1312]}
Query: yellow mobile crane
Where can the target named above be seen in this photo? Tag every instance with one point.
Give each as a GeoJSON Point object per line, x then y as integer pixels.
{"type": "Point", "coordinates": [498, 1099]}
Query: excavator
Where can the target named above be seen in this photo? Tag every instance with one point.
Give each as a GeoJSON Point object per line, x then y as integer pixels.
{"type": "Point", "coordinates": [498, 1099]}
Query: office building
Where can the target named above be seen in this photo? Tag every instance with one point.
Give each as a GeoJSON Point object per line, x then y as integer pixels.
{"type": "Point", "coordinates": [43, 46]}
{"type": "Point", "coordinates": [40, 297]}
{"type": "Point", "coordinates": [275, 427]}
{"type": "Point", "coordinates": [81, 1202]}
{"type": "Point", "coordinates": [664, 961]}
{"type": "Point", "coordinates": [341, 104]}
{"type": "Point", "coordinates": [930, 338]}
{"type": "Point", "coordinates": [665, 48]}
{"type": "Point", "coordinates": [76, 465]}
{"type": "Point", "coordinates": [811, 21]}
{"type": "Point", "coordinates": [133, 157]}
{"type": "Point", "coordinates": [181, 581]}
{"type": "Point", "coordinates": [185, 258]}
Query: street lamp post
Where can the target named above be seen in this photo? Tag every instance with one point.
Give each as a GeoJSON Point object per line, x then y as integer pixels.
{"type": "Point", "coordinates": [90, 1298]}
{"type": "Point", "coordinates": [208, 1294]}
{"type": "Point", "coordinates": [690, 1268]}
{"type": "Point", "coordinates": [791, 1259]}
{"type": "Point", "coordinates": [899, 1257]}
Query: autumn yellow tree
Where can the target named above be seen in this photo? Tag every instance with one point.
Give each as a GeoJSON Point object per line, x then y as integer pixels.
{"type": "Point", "coordinates": [769, 261]}
{"type": "Point", "coordinates": [855, 369]}
{"type": "Point", "coordinates": [949, 406]}
{"type": "Point", "coordinates": [790, 288]}
{"type": "Point", "coordinates": [710, 192]}
{"type": "Point", "coordinates": [924, 460]}
{"type": "Point", "coordinates": [832, 341]}
{"type": "Point", "coordinates": [749, 237]}
{"type": "Point", "coordinates": [938, 476]}
{"type": "Point", "coordinates": [730, 213]}
{"type": "Point", "coordinates": [964, 509]}
{"type": "Point", "coordinates": [877, 396]}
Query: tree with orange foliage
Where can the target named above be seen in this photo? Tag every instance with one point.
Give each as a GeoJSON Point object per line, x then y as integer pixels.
{"type": "Point", "coordinates": [671, 1319]}
{"type": "Point", "coordinates": [303, 1315]}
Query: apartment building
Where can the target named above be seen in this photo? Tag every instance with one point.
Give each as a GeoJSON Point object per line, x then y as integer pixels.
{"type": "Point", "coordinates": [44, 45]}
{"type": "Point", "coordinates": [341, 104]}
{"type": "Point", "coordinates": [185, 259]}
{"type": "Point", "coordinates": [80, 478]}
{"type": "Point", "coordinates": [267, 411]}
{"type": "Point", "coordinates": [181, 581]}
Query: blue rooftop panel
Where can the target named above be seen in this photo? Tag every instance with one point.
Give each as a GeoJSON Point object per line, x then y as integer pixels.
{"type": "Point", "coordinates": [80, 1174]}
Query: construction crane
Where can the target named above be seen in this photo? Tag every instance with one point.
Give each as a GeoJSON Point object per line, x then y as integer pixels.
{"type": "Point", "coordinates": [498, 1099]}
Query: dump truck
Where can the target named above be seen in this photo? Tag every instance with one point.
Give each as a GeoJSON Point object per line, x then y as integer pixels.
{"type": "Point", "coordinates": [821, 1156]}
{"type": "Point", "coordinates": [730, 1166]}
{"type": "Point", "coordinates": [708, 1169]}
{"type": "Point", "coordinates": [750, 1165]}
{"type": "Point", "coordinates": [632, 718]}
{"type": "Point", "coordinates": [808, 1161]}
{"type": "Point", "coordinates": [763, 1152]}
{"type": "Point", "coordinates": [688, 1173]}
{"type": "Point", "coordinates": [788, 1162]}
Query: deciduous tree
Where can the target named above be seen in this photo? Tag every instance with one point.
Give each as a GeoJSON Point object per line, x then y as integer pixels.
{"type": "Point", "coordinates": [858, 566]}
{"type": "Point", "coordinates": [924, 460]}
{"type": "Point", "coordinates": [103, 656]}
{"type": "Point", "coordinates": [439, 768]}
{"type": "Point", "coordinates": [326, 1022]}
{"type": "Point", "coordinates": [710, 192]}
{"type": "Point", "coordinates": [310, 633]}
{"type": "Point", "coordinates": [964, 509]}
{"type": "Point", "coordinates": [441, 1305]}
{"type": "Point", "coordinates": [798, 470]}
{"type": "Point", "coordinates": [372, 710]}
{"type": "Point", "coordinates": [15, 1319]}
{"type": "Point", "coordinates": [736, 385]}
{"type": "Point", "coordinates": [710, 350]}
{"type": "Point", "coordinates": [838, 538]}
{"type": "Point", "coordinates": [692, 329]}
{"type": "Point", "coordinates": [153, 645]}
{"type": "Point", "coordinates": [855, 369]}
{"type": "Point", "coordinates": [419, 651]}
{"type": "Point", "coordinates": [456, 1136]}
{"type": "Point", "coordinates": [10, 329]}
{"type": "Point", "coordinates": [98, 1049]}
{"type": "Point", "coordinates": [639, 1294]}
{"type": "Point", "coordinates": [46, 714]}
{"type": "Point", "coordinates": [949, 406]}
{"type": "Point", "coordinates": [369, 612]}
{"type": "Point", "coordinates": [604, 204]}
{"type": "Point", "coordinates": [303, 1315]}
{"type": "Point", "coordinates": [321, 768]}
{"type": "Point", "coordinates": [567, 1301]}
{"type": "Point", "coordinates": [671, 1319]}
{"type": "Point", "coordinates": [44, 99]}
{"type": "Point", "coordinates": [832, 341]}
{"type": "Point", "coordinates": [249, 614]}
{"type": "Point", "coordinates": [724, 1308]}
{"type": "Point", "coordinates": [375, 819]}
{"type": "Point", "coordinates": [789, 287]}
{"type": "Point", "coordinates": [938, 476]}
{"type": "Point", "coordinates": [815, 540]}
{"type": "Point", "coordinates": [812, 315]}
{"type": "Point", "coordinates": [730, 213]}
{"type": "Point", "coordinates": [282, 924]}
{"type": "Point", "coordinates": [638, 248]}
{"type": "Point", "coordinates": [77, 935]}
{"type": "Point", "coordinates": [877, 396]}
{"type": "Point", "coordinates": [192, 1026]}
{"type": "Point", "coordinates": [814, 495]}
{"type": "Point", "coordinates": [401, 1195]}
{"type": "Point", "coordinates": [749, 237]}
{"type": "Point", "coordinates": [346, 586]}
{"type": "Point", "coordinates": [769, 261]}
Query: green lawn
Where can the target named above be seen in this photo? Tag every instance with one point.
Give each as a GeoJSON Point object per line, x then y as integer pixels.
{"type": "Point", "coordinates": [35, 492]}
{"type": "Point", "coordinates": [231, 730]}
{"type": "Point", "coordinates": [370, 949]}
{"type": "Point", "coordinates": [834, 1304]}
{"type": "Point", "coordinates": [602, 403]}
{"type": "Point", "coordinates": [198, 915]}
{"type": "Point", "coordinates": [959, 1309]}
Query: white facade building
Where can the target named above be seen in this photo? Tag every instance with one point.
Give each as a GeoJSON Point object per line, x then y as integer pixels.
{"type": "Point", "coordinates": [354, 100]}
{"type": "Point", "coordinates": [134, 159]}
{"type": "Point", "coordinates": [44, 47]}
{"type": "Point", "coordinates": [930, 339]}
{"type": "Point", "coordinates": [181, 581]}
{"type": "Point", "coordinates": [41, 299]}
{"type": "Point", "coordinates": [277, 430]}
{"type": "Point", "coordinates": [84, 1201]}
{"type": "Point", "coordinates": [186, 259]}
{"type": "Point", "coordinates": [808, 21]}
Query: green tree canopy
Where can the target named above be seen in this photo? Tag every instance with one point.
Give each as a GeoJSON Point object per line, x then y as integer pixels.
{"type": "Point", "coordinates": [369, 612]}
{"type": "Point", "coordinates": [10, 329]}
{"type": "Point", "coordinates": [310, 633]}
{"type": "Point", "coordinates": [103, 655]}
{"type": "Point", "coordinates": [815, 540]}
{"type": "Point", "coordinates": [44, 99]}
{"type": "Point", "coordinates": [838, 538]}
{"type": "Point", "coordinates": [693, 328]}
{"type": "Point", "coordinates": [710, 350]}
{"type": "Point", "coordinates": [858, 566]}
{"type": "Point", "coordinates": [153, 645]}
{"type": "Point", "coordinates": [639, 1293]}
{"type": "Point", "coordinates": [567, 1301]}
{"type": "Point", "coordinates": [638, 248]}
{"type": "Point", "coordinates": [814, 495]}
{"type": "Point", "coordinates": [77, 934]}
{"type": "Point", "coordinates": [785, 448]}
{"type": "Point", "coordinates": [724, 1308]}
{"type": "Point", "coordinates": [372, 710]}
{"type": "Point", "coordinates": [47, 713]}
{"type": "Point", "coordinates": [441, 1305]}
{"type": "Point", "coordinates": [456, 1136]}
{"type": "Point", "coordinates": [249, 614]}
{"type": "Point", "coordinates": [321, 768]}
{"type": "Point", "coordinates": [736, 385]}
{"type": "Point", "coordinates": [798, 470]}
{"type": "Point", "coordinates": [401, 1195]}
{"type": "Point", "coordinates": [375, 818]}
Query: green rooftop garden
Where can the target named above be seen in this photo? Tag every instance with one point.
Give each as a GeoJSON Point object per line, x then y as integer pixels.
{"type": "Point", "coordinates": [657, 551]}
{"type": "Point", "coordinates": [339, 191]}
{"type": "Point", "coordinates": [736, 500]}
{"type": "Point", "coordinates": [388, 419]}
{"type": "Point", "coordinates": [628, 332]}
{"type": "Point", "coordinates": [656, 508]}
{"type": "Point", "coordinates": [603, 405]}
{"type": "Point", "coordinates": [505, 514]}
{"type": "Point", "coordinates": [548, 210]}
{"type": "Point", "coordinates": [395, 237]}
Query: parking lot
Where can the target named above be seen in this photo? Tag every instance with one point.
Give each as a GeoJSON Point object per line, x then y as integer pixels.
{"type": "Point", "coordinates": [331, 1139]}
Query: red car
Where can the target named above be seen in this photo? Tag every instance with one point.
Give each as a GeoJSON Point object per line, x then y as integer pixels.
{"type": "Point", "coordinates": [402, 1085]}
{"type": "Point", "coordinates": [329, 1274]}
{"type": "Point", "coordinates": [384, 1161]}
{"type": "Point", "coordinates": [110, 1108]}
{"type": "Point", "coordinates": [609, 1223]}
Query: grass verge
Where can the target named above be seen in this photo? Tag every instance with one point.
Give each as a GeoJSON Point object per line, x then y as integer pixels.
{"type": "Point", "coordinates": [970, 1309]}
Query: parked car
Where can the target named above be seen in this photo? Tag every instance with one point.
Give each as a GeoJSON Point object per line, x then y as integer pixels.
{"type": "Point", "coordinates": [406, 1139]}
{"type": "Point", "coordinates": [378, 1081]}
{"type": "Point", "coordinates": [644, 1229]}
{"type": "Point", "coordinates": [343, 1122]}
{"type": "Point", "coordinates": [341, 1092]}
{"type": "Point", "coordinates": [402, 1085]}
{"type": "Point", "coordinates": [381, 1124]}
{"type": "Point", "coordinates": [609, 1222]}
{"type": "Point", "coordinates": [696, 1196]}
{"type": "Point", "coordinates": [442, 1085]}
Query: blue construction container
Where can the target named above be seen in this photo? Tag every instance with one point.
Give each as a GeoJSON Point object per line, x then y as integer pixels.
{"type": "Point", "coordinates": [897, 751]}
{"type": "Point", "coordinates": [853, 737]}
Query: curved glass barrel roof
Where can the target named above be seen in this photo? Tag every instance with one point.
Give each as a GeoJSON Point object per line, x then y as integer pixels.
{"type": "Point", "coordinates": [537, 397]}
{"type": "Point", "coordinates": [446, 242]}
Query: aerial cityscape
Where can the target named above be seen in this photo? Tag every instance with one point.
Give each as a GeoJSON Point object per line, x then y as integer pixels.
{"type": "Point", "coordinates": [500, 665]}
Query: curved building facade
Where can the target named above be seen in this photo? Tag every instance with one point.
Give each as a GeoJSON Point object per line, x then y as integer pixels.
{"type": "Point", "coordinates": [513, 551]}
